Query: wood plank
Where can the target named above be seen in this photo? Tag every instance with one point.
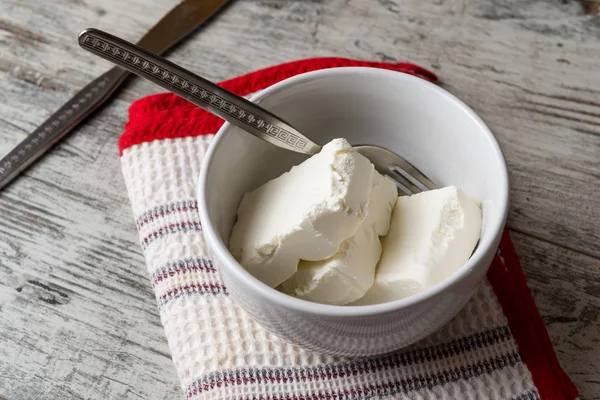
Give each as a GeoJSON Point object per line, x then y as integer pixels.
{"type": "Point", "coordinates": [77, 315]}
{"type": "Point", "coordinates": [566, 288]}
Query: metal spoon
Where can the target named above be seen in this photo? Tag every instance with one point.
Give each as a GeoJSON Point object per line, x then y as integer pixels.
{"type": "Point", "coordinates": [235, 109]}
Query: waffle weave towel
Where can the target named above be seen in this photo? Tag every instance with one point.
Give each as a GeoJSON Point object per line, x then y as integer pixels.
{"type": "Point", "coordinates": [496, 348]}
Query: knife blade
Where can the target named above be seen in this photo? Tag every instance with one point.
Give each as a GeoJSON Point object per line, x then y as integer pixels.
{"type": "Point", "coordinates": [173, 27]}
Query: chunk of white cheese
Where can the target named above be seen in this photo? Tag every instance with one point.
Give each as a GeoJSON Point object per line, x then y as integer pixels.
{"type": "Point", "coordinates": [384, 194]}
{"type": "Point", "coordinates": [305, 213]}
{"type": "Point", "coordinates": [349, 273]}
{"type": "Point", "coordinates": [340, 279]}
{"type": "Point", "coordinates": [432, 235]}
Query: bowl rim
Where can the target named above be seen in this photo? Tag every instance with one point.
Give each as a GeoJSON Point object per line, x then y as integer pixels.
{"type": "Point", "coordinates": [496, 226]}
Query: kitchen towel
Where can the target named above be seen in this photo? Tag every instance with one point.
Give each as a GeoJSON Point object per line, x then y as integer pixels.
{"type": "Point", "coordinates": [497, 347]}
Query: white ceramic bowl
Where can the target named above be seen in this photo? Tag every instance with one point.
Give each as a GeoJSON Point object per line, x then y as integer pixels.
{"type": "Point", "coordinates": [416, 119]}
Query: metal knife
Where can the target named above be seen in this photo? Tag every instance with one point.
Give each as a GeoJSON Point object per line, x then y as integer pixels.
{"type": "Point", "coordinates": [173, 27]}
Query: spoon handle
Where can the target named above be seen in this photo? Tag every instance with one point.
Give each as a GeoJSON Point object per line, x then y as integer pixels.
{"type": "Point", "coordinates": [234, 109]}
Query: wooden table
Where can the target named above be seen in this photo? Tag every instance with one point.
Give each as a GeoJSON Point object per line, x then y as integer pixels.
{"type": "Point", "coordinates": [78, 318]}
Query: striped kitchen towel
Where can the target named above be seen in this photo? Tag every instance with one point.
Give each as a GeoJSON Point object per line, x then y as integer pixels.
{"type": "Point", "coordinates": [496, 348]}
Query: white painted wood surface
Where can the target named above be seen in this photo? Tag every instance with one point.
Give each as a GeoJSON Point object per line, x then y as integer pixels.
{"type": "Point", "coordinates": [77, 315]}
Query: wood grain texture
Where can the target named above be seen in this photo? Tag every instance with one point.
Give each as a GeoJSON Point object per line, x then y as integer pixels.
{"type": "Point", "coordinates": [77, 314]}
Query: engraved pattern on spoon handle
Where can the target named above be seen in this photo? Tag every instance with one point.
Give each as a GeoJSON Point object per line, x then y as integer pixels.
{"type": "Point", "coordinates": [234, 109]}
{"type": "Point", "coordinates": [60, 123]}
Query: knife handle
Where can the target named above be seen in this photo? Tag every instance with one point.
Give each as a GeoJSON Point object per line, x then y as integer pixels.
{"type": "Point", "coordinates": [60, 123]}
